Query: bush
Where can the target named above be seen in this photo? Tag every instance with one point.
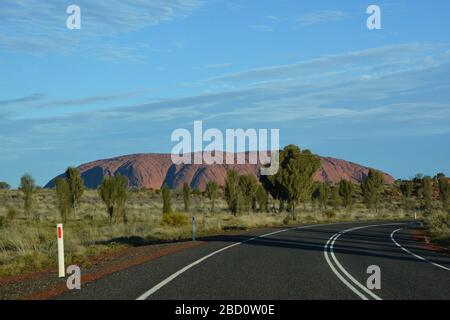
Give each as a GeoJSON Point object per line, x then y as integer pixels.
{"type": "Point", "coordinates": [174, 219]}
{"type": "Point", "coordinates": [114, 193]}
{"type": "Point", "coordinates": [4, 186]}
{"type": "Point", "coordinates": [2, 222]}
{"type": "Point", "coordinates": [167, 201]}
{"type": "Point", "coordinates": [28, 187]}
{"type": "Point", "coordinates": [330, 214]}
{"type": "Point", "coordinates": [11, 214]}
{"type": "Point", "coordinates": [88, 218]}
{"type": "Point", "coordinates": [438, 225]}
{"type": "Point", "coordinates": [287, 219]}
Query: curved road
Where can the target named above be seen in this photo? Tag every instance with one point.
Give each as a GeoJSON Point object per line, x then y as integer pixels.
{"type": "Point", "coordinates": [309, 262]}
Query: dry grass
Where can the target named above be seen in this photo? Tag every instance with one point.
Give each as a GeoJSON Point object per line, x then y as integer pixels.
{"type": "Point", "coordinates": [438, 226]}
{"type": "Point", "coordinates": [29, 243]}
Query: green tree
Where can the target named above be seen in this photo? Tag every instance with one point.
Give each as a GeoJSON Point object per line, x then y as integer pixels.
{"type": "Point", "coordinates": [28, 187]}
{"type": "Point", "coordinates": [196, 192]}
{"type": "Point", "coordinates": [371, 188]}
{"type": "Point", "coordinates": [167, 199]}
{"type": "Point", "coordinates": [321, 194]}
{"type": "Point", "coordinates": [212, 191]}
{"type": "Point", "coordinates": [63, 197]}
{"type": "Point", "coordinates": [335, 198]}
{"type": "Point", "coordinates": [444, 191]}
{"type": "Point", "coordinates": [418, 177]}
{"type": "Point", "coordinates": [186, 196]}
{"type": "Point", "coordinates": [262, 198]}
{"type": "Point", "coordinates": [407, 188]}
{"type": "Point", "coordinates": [273, 187]}
{"type": "Point", "coordinates": [76, 187]}
{"type": "Point", "coordinates": [114, 193]}
{"type": "Point", "coordinates": [295, 176]}
{"type": "Point", "coordinates": [4, 186]}
{"type": "Point", "coordinates": [232, 192]}
{"type": "Point", "coordinates": [427, 193]}
{"type": "Point", "coordinates": [248, 185]}
{"type": "Point", "coordinates": [346, 191]}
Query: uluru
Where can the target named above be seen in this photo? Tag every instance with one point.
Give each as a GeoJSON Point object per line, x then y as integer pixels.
{"type": "Point", "coordinates": [153, 170]}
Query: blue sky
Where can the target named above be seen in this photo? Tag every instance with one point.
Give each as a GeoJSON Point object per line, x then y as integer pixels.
{"type": "Point", "coordinates": [137, 70]}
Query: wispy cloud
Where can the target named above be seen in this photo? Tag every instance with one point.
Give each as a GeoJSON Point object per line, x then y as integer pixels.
{"type": "Point", "coordinates": [36, 26]}
{"type": "Point", "coordinates": [391, 58]}
{"type": "Point", "coordinates": [41, 101]}
{"type": "Point", "coordinates": [274, 18]}
{"type": "Point", "coordinates": [320, 17]}
{"type": "Point", "coordinates": [23, 100]}
{"type": "Point", "coordinates": [219, 65]}
{"type": "Point", "coordinates": [410, 100]}
{"type": "Point", "coordinates": [262, 27]}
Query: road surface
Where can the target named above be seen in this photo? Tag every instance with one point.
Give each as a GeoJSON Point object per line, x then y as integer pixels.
{"type": "Point", "coordinates": [309, 262]}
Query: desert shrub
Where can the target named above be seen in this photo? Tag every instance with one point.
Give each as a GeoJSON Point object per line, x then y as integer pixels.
{"type": "Point", "coordinates": [114, 193]}
{"type": "Point", "coordinates": [232, 192]}
{"type": "Point", "coordinates": [309, 219]}
{"type": "Point", "coordinates": [28, 187]}
{"type": "Point", "coordinates": [330, 214]}
{"type": "Point", "coordinates": [4, 186]}
{"type": "Point", "coordinates": [2, 222]}
{"type": "Point", "coordinates": [75, 185]}
{"type": "Point", "coordinates": [11, 214]}
{"type": "Point", "coordinates": [88, 218]}
{"type": "Point", "coordinates": [186, 196]}
{"type": "Point", "coordinates": [248, 186]}
{"type": "Point", "coordinates": [262, 197]}
{"type": "Point", "coordinates": [438, 225]}
{"type": "Point", "coordinates": [167, 200]}
{"type": "Point", "coordinates": [372, 188]}
{"type": "Point", "coordinates": [63, 197]}
{"type": "Point", "coordinates": [346, 192]}
{"type": "Point", "coordinates": [174, 219]}
{"type": "Point", "coordinates": [212, 190]}
{"type": "Point", "coordinates": [287, 219]}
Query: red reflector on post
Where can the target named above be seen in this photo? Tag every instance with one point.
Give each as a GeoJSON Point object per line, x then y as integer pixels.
{"type": "Point", "coordinates": [59, 233]}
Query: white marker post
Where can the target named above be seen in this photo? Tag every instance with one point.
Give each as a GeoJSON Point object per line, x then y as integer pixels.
{"type": "Point", "coordinates": [193, 228]}
{"type": "Point", "coordinates": [61, 267]}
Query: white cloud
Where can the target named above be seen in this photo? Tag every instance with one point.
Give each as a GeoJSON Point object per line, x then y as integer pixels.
{"type": "Point", "coordinates": [389, 58]}
{"type": "Point", "coordinates": [320, 17]}
{"type": "Point", "coordinates": [409, 101]}
{"type": "Point", "coordinates": [219, 65]}
{"type": "Point", "coordinates": [22, 100]}
{"type": "Point", "coordinates": [37, 26]}
{"type": "Point", "coordinates": [262, 27]}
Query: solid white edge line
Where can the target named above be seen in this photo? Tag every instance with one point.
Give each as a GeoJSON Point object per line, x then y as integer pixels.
{"type": "Point", "coordinates": [356, 282]}
{"type": "Point", "coordinates": [154, 289]}
{"type": "Point", "coordinates": [343, 280]}
{"type": "Point", "coordinates": [150, 292]}
{"type": "Point", "coordinates": [413, 254]}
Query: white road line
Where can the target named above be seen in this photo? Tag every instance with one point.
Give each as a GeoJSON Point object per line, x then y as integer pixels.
{"type": "Point", "coordinates": [330, 246]}
{"type": "Point", "coordinates": [413, 254]}
{"type": "Point", "coordinates": [150, 292]}
{"type": "Point", "coordinates": [356, 291]}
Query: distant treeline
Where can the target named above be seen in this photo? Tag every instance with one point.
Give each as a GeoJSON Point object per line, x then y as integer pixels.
{"type": "Point", "coordinates": [292, 186]}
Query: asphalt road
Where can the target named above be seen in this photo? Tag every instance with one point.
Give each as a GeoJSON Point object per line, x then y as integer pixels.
{"type": "Point", "coordinates": [313, 262]}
